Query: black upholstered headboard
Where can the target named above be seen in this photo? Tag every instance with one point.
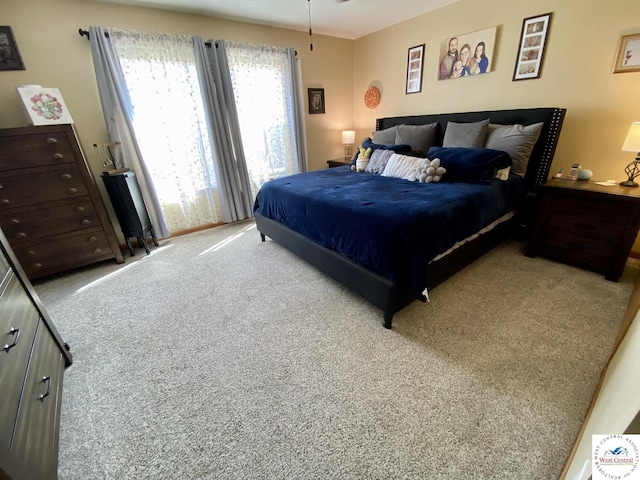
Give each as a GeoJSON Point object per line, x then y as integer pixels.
{"type": "Point", "coordinates": [542, 154]}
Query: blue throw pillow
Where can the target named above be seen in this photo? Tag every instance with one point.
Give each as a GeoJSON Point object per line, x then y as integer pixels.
{"type": "Point", "coordinates": [367, 142]}
{"type": "Point", "coordinates": [470, 165]}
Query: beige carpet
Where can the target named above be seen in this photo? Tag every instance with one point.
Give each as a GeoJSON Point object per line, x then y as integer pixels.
{"type": "Point", "coordinates": [219, 356]}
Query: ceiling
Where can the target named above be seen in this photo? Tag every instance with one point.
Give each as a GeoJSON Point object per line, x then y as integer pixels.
{"type": "Point", "coordinates": [350, 19]}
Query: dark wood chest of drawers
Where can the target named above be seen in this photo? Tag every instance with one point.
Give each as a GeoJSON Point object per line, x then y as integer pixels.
{"type": "Point", "coordinates": [33, 361]}
{"type": "Point", "coordinates": [587, 225]}
{"type": "Point", "coordinates": [50, 208]}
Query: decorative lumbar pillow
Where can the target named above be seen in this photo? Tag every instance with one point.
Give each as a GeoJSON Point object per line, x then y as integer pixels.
{"type": "Point", "coordinates": [470, 165]}
{"type": "Point", "coordinates": [404, 166]}
{"type": "Point", "coordinates": [517, 140]}
{"type": "Point", "coordinates": [378, 161]}
{"type": "Point", "coordinates": [420, 137]}
{"type": "Point", "coordinates": [465, 135]}
{"type": "Point", "coordinates": [386, 136]}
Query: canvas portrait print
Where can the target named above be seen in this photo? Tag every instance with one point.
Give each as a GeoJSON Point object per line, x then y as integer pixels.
{"type": "Point", "coordinates": [44, 106]}
{"type": "Point", "coordinates": [467, 55]}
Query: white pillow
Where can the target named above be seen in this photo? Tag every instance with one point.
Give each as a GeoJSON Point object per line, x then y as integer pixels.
{"type": "Point", "coordinates": [404, 166]}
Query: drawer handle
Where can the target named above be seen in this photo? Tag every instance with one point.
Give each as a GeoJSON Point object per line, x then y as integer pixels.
{"type": "Point", "coordinates": [16, 334]}
{"type": "Point", "coordinates": [97, 251]}
{"type": "Point", "coordinates": [21, 235]}
{"type": "Point", "coordinates": [52, 140]}
{"type": "Point", "coordinates": [92, 239]}
{"type": "Point", "coordinates": [65, 176]}
{"type": "Point", "coordinates": [14, 221]}
{"type": "Point", "coordinates": [31, 252]}
{"type": "Point", "coordinates": [37, 265]}
{"type": "Point", "coordinates": [86, 222]}
{"type": "Point", "coordinates": [5, 201]}
{"type": "Point", "coordinates": [72, 190]}
{"type": "Point", "coordinates": [44, 395]}
{"type": "Point", "coordinates": [80, 209]}
{"type": "Point", "coordinates": [58, 156]}
{"type": "Point", "coordinates": [1, 186]}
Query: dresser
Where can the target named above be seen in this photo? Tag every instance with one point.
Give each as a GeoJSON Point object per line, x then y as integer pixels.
{"type": "Point", "coordinates": [50, 208]}
{"type": "Point", "coordinates": [33, 361]}
{"type": "Point", "coordinates": [585, 224]}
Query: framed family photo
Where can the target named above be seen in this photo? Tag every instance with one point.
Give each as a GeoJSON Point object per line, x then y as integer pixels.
{"type": "Point", "coordinates": [415, 67]}
{"type": "Point", "coordinates": [533, 40]}
{"type": "Point", "coordinates": [316, 100]}
{"type": "Point", "coordinates": [9, 55]}
{"type": "Point", "coordinates": [467, 55]}
{"type": "Point", "coordinates": [628, 55]}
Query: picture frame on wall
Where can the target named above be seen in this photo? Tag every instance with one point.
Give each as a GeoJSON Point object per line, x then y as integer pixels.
{"type": "Point", "coordinates": [316, 100]}
{"type": "Point", "coordinates": [467, 55]}
{"type": "Point", "coordinates": [533, 41]}
{"type": "Point", "coordinates": [628, 54]}
{"type": "Point", "coordinates": [415, 67]}
{"type": "Point", "coordinates": [10, 58]}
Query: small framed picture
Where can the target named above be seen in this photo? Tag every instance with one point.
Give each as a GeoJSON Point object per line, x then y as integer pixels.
{"type": "Point", "coordinates": [628, 55]}
{"type": "Point", "coordinates": [533, 41]}
{"type": "Point", "coordinates": [415, 63]}
{"type": "Point", "coordinates": [44, 106]}
{"type": "Point", "coordinates": [9, 55]}
{"type": "Point", "coordinates": [316, 100]}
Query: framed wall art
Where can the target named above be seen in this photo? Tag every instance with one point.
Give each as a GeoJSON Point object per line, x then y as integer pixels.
{"type": "Point", "coordinates": [533, 40]}
{"type": "Point", "coordinates": [9, 55]}
{"type": "Point", "coordinates": [467, 55]}
{"type": "Point", "coordinates": [415, 64]}
{"type": "Point", "coordinates": [316, 100]}
{"type": "Point", "coordinates": [628, 55]}
{"type": "Point", "coordinates": [44, 106]}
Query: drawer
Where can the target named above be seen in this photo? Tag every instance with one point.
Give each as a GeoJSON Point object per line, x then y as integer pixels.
{"type": "Point", "coordinates": [33, 150]}
{"type": "Point", "coordinates": [595, 208]}
{"type": "Point", "coordinates": [18, 324]}
{"type": "Point", "coordinates": [36, 425]}
{"type": "Point", "coordinates": [583, 226]}
{"type": "Point", "coordinates": [36, 221]}
{"type": "Point", "coordinates": [50, 254]}
{"type": "Point", "coordinates": [590, 252]}
{"type": "Point", "coordinates": [41, 185]}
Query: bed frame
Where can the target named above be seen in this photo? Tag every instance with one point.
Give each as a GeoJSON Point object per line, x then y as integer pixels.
{"type": "Point", "coordinates": [381, 291]}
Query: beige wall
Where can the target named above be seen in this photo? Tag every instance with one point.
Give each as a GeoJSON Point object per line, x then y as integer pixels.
{"type": "Point", "coordinates": [56, 56]}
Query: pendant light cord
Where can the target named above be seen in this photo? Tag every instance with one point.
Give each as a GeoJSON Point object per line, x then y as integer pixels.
{"type": "Point", "coordinates": [310, 33]}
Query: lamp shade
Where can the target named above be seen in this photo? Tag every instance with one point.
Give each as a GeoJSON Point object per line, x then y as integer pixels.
{"type": "Point", "coordinates": [632, 142]}
{"type": "Point", "coordinates": [348, 137]}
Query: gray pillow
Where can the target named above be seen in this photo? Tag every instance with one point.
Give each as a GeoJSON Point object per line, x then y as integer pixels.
{"type": "Point", "coordinates": [385, 137]}
{"type": "Point", "coordinates": [420, 137]}
{"type": "Point", "coordinates": [465, 135]}
{"type": "Point", "coordinates": [517, 140]}
{"type": "Point", "coordinates": [378, 160]}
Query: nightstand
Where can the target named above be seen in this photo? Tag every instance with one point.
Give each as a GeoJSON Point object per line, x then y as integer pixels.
{"type": "Point", "coordinates": [338, 162]}
{"type": "Point", "coordinates": [587, 225]}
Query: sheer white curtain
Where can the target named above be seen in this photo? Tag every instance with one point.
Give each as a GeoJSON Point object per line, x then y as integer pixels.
{"type": "Point", "coordinates": [170, 125]}
{"type": "Point", "coordinates": [262, 77]}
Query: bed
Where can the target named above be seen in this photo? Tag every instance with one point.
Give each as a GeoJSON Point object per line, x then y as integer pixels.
{"type": "Point", "coordinates": [392, 240]}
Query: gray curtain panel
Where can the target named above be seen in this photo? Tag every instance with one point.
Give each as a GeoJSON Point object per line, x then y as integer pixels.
{"type": "Point", "coordinates": [298, 110]}
{"type": "Point", "coordinates": [116, 107]}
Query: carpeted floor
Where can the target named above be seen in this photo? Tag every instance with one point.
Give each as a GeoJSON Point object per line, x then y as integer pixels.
{"type": "Point", "coordinates": [222, 357]}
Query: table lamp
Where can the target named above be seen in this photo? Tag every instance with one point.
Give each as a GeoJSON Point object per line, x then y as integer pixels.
{"type": "Point", "coordinates": [348, 138]}
{"type": "Point", "coordinates": [632, 144]}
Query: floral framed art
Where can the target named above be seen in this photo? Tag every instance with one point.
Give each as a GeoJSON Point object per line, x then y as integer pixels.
{"type": "Point", "coordinates": [533, 41]}
{"type": "Point", "coordinates": [316, 100]}
{"type": "Point", "coordinates": [9, 55]}
{"type": "Point", "coordinates": [415, 64]}
{"type": "Point", "coordinates": [44, 106]}
{"type": "Point", "coordinates": [628, 55]}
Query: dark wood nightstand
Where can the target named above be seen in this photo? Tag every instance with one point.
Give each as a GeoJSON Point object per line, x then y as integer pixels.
{"type": "Point", "coordinates": [587, 225]}
{"type": "Point", "coordinates": [338, 162]}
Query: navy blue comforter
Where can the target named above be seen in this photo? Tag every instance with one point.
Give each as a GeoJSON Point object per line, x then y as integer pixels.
{"type": "Point", "coordinates": [394, 227]}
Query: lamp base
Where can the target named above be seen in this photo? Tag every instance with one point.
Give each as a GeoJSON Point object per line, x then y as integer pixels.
{"type": "Point", "coordinates": [347, 153]}
{"type": "Point", "coordinates": [629, 183]}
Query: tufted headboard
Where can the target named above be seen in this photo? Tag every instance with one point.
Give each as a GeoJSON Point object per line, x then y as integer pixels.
{"type": "Point", "coordinates": [542, 154]}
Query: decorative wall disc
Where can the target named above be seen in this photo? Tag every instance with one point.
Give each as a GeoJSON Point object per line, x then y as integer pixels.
{"type": "Point", "coordinates": [372, 97]}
